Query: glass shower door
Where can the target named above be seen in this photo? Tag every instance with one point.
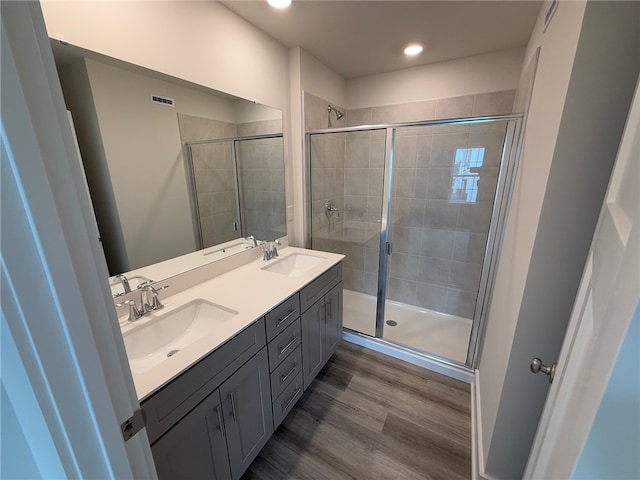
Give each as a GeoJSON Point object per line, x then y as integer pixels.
{"type": "Point", "coordinates": [444, 180]}
{"type": "Point", "coordinates": [260, 164]}
{"type": "Point", "coordinates": [346, 192]}
{"type": "Point", "coordinates": [214, 192]}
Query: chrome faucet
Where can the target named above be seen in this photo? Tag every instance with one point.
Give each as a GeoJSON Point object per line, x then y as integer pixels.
{"type": "Point", "coordinates": [270, 251]}
{"type": "Point", "coordinates": [149, 297]}
{"type": "Point", "coordinates": [149, 301]}
{"type": "Point", "coordinates": [125, 282]}
{"type": "Point", "coordinates": [252, 239]}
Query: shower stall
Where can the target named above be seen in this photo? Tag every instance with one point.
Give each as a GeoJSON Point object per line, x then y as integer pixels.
{"type": "Point", "coordinates": [237, 188]}
{"type": "Point", "coordinates": [418, 211]}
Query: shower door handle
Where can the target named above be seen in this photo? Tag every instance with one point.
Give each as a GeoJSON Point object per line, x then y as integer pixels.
{"type": "Point", "coordinates": [389, 248]}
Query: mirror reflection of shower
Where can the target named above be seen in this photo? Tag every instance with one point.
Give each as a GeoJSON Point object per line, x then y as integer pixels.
{"type": "Point", "coordinates": [237, 187]}
{"type": "Point", "coordinates": [338, 113]}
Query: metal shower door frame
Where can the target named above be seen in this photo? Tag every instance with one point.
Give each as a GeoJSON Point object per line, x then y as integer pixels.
{"type": "Point", "coordinates": [502, 199]}
{"type": "Point", "coordinates": [236, 180]}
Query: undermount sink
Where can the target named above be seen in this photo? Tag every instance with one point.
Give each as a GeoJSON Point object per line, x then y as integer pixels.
{"type": "Point", "coordinates": [294, 265]}
{"type": "Point", "coordinates": [164, 335]}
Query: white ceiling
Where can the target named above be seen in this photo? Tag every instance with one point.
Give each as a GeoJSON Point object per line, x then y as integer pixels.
{"type": "Point", "coordinates": [358, 38]}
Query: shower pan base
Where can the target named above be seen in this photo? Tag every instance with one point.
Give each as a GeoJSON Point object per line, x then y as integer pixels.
{"type": "Point", "coordinates": [445, 336]}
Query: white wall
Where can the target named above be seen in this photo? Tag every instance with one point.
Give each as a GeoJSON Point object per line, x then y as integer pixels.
{"type": "Point", "coordinates": [466, 76]}
{"type": "Point", "coordinates": [310, 75]}
{"type": "Point", "coordinates": [320, 80]}
{"type": "Point", "coordinates": [202, 42]}
{"type": "Point", "coordinates": [295, 176]}
{"type": "Point", "coordinates": [252, 112]}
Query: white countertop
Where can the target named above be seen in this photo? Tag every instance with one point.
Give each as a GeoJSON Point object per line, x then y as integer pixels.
{"type": "Point", "coordinates": [174, 266]}
{"type": "Point", "coordinates": [248, 289]}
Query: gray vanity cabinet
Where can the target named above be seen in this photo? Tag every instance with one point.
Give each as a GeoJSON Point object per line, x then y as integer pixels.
{"type": "Point", "coordinates": [332, 321]}
{"type": "Point", "coordinates": [221, 436]}
{"type": "Point", "coordinates": [212, 421]}
{"type": "Point", "coordinates": [196, 446]}
{"type": "Point", "coordinates": [321, 332]}
{"type": "Point", "coordinates": [248, 419]}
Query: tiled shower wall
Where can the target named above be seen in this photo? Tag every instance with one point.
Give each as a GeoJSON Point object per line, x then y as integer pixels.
{"type": "Point", "coordinates": [439, 239]}
{"type": "Point", "coordinates": [214, 179]}
{"type": "Point", "coordinates": [263, 168]}
{"type": "Point", "coordinates": [327, 174]}
{"type": "Point", "coordinates": [438, 243]}
{"type": "Point", "coordinates": [215, 187]}
{"type": "Point", "coordinates": [262, 195]}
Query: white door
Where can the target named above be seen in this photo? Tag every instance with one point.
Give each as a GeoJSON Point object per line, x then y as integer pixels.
{"type": "Point", "coordinates": [68, 381]}
{"type": "Point", "coordinates": [605, 304]}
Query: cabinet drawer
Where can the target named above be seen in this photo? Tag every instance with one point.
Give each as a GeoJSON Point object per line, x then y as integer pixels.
{"type": "Point", "coordinates": [287, 399]}
{"type": "Point", "coordinates": [282, 316]}
{"type": "Point", "coordinates": [286, 372]}
{"type": "Point", "coordinates": [321, 285]}
{"type": "Point", "coordinates": [167, 406]}
{"type": "Point", "coordinates": [284, 344]}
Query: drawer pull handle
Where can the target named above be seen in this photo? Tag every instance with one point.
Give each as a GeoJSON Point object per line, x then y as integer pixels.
{"type": "Point", "coordinates": [327, 310]}
{"type": "Point", "coordinates": [286, 347]}
{"type": "Point", "coordinates": [286, 404]}
{"type": "Point", "coordinates": [283, 378]}
{"type": "Point", "coordinates": [220, 421]}
{"type": "Point", "coordinates": [284, 319]}
{"type": "Point", "coordinates": [232, 397]}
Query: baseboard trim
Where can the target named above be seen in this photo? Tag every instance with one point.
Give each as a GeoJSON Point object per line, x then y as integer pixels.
{"type": "Point", "coordinates": [477, 447]}
{"type": "Point", "coordinates": [401, 353]}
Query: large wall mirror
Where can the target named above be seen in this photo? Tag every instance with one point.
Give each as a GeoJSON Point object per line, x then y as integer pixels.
{"type": "Point", "coordinates": [179, 174]}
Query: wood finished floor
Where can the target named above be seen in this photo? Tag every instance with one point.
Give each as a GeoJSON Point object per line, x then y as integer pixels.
{"type": "Point", "coordinates": [370, 416]}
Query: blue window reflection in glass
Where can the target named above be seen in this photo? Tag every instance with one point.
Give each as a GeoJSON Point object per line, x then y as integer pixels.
{"type": "Point", "coordinates": [466, 173]}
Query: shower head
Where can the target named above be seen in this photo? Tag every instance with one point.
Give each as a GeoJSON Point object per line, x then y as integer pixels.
{"type": "Point", "coordinates": [338, 113]}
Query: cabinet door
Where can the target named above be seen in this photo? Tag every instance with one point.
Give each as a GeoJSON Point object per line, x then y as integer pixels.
{"type": "Point", "coordinates": [195, 447]}
{"type": "Point", "coordinates": [333, 321]}
{"type": "Point", "coordinates": [312, 341]}
{"type": "Point", "coordinates": [248, 418]}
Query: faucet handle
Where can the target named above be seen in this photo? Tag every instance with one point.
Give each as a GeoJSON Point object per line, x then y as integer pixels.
{"type": "Point", "coordinates": [134, 312]}
{"type": "Point", "coordinates": [155, 303]}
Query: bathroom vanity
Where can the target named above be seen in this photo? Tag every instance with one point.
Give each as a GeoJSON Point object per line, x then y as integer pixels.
{"type": "Point", "coordinates": [263, 331]}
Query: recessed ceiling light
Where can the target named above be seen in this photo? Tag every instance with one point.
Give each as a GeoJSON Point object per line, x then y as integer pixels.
{"type": "Point", "coordinates": [413, 49]}
{"type": "Point", "coordinates": [279, 3]}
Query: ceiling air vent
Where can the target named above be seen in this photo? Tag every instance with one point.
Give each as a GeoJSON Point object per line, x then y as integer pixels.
{"type": "Point", "coordinates": [166, 101]}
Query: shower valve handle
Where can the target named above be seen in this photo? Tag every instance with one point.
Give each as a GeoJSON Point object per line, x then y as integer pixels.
{"type": "Point", "coordinates": [330, 209]}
